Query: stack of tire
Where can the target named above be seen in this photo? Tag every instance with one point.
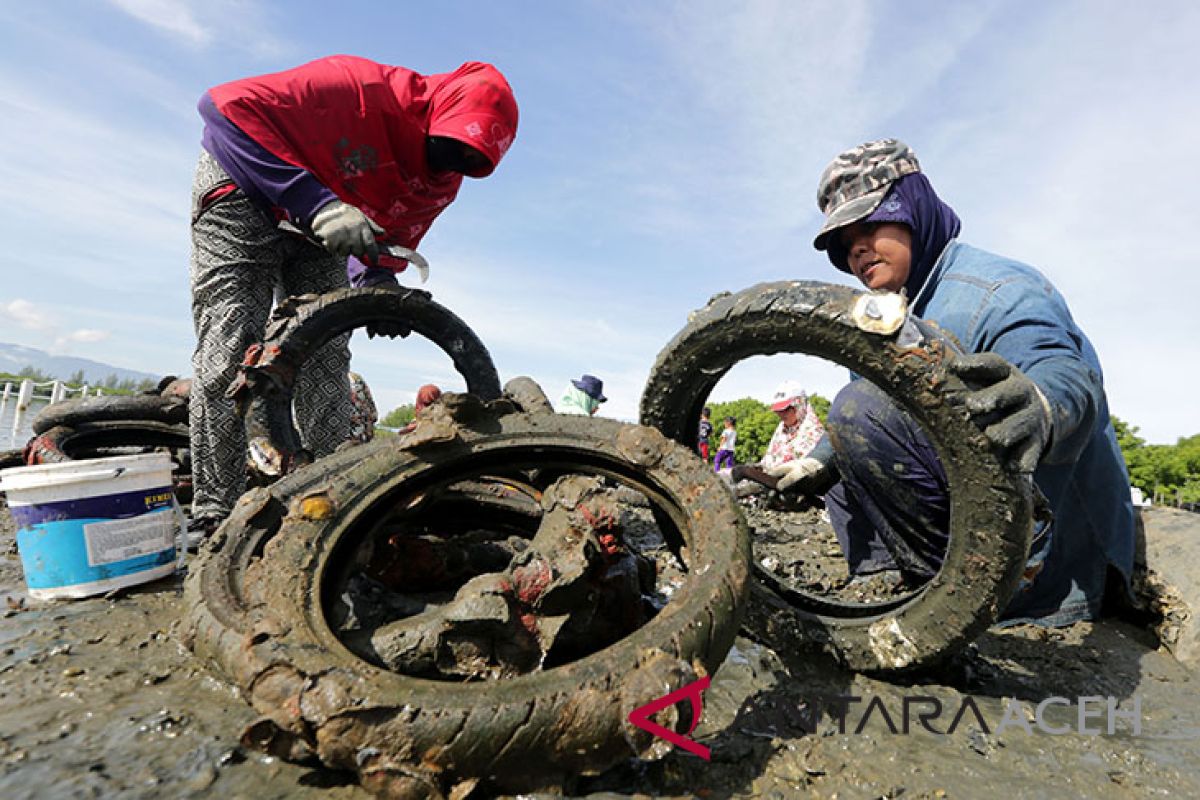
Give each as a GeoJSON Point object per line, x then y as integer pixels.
{"type": "Point", "coordinates": [100, 427]}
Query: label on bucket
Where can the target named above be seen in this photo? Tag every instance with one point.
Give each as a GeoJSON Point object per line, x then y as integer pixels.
{"type": "Point", "coordinates": [105, 507]}
{"type": "Point", "coordinates": [122, 539]}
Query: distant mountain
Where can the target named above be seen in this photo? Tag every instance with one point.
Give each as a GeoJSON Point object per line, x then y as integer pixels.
{"type": "Point", "coordinates": [15, 357]}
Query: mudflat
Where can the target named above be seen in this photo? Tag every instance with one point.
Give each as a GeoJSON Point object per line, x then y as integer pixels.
{"type": "Point", "coordinates": [98, 698]}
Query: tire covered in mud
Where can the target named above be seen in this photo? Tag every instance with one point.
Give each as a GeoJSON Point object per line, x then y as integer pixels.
{"type": "Point", "coordinates": [256, 596]}
{"type": "Point", "coordinates": [990, 515]}
{"type": "Point", "coordinates": [100, 439]}
{"type": "Point", "coordinates": [96, 439]}
{"type": "Point", "coordinates": [12, 458]}
{"type": "Point", "coordinates": [150, 408]}
{"type": "Point", "coordinates": [301, 325]}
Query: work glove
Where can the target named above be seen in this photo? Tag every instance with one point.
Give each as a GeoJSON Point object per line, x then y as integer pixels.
{"type": "Point", "coordinates": [346, 231]}
{"type": "Point", "coordinates": [364, 277]}
{"type": "Point", "coordinates": [799, 470]}
{"type": "Point", "coordinates": [1008, 406]}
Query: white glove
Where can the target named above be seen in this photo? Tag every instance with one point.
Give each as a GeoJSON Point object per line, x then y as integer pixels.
{"type": "Point", "coordinates": [346, 231]}
{"type": "Point", "coordinates": [779, 470]}
{"type": "Point", "coordinates": [798, 470]}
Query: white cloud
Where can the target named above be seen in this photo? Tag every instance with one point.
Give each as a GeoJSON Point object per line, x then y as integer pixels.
{"type": "Point", "coordinates": [762, 94]}
{"type": "Point", "coordinates": [28, 315]}
{"type": "Point", "coordinates": [86, 335]}
{"type": "Point", "coordinates": [240, 24]}
{"type": "Point", "coordinates": [172, 16]}
{"type": "Point", "coordinates": [45, 324]}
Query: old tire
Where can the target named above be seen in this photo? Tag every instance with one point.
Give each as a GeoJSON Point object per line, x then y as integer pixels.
{"type": "Point", "coordinates": [88, 440]}
{"type": "Point", "coordinates": [150, 408]}
{"type": "Point", "coordinates": [990, 523]}
{"type": "Point", "coordinates": [255, 599]}
{"type": "Point", "coordinates": [301, 325]}
{"type": "Point", "coordinates": [81, 441]}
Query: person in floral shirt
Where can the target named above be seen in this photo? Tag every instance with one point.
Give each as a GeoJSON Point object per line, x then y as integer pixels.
{"type": "Point", "coordinates": [364, 415]}
{"type": "Point", "coordinates": [798, 433]}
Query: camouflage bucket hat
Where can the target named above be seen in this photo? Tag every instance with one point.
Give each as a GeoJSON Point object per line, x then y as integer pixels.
{"type": "Point", "coordinates": [855, 182]}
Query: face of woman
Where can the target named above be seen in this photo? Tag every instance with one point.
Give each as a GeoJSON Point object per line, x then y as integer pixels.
{"type": "Point", "coordinates": [450, 155]}
{"type": "Point", "coordinates": [788, 416]}
{"type": "Point", "coordinates": [878, 253]}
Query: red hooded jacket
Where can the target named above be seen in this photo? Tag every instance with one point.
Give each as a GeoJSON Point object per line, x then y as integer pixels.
{"type": "Point", "coordinates": [359, 127]}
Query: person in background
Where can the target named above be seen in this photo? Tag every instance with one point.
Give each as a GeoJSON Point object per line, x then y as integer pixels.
{"type": "Point", "coordinates": [351, 155]}
{"type": "Point", "coordinates": [725, 447]}
{"type": "Point", "coordinates": [704, 433]}
{"type": "Point", "coordinates": [427, 395]}
{"type": "Point", "coordinates": [364, 414]}
{"type": "Point", "coordinates": [1035, 388]}
{"type": "Point", "coordinates": [583, 396]}
{"type": "Point", "coordinates": [788, 458]}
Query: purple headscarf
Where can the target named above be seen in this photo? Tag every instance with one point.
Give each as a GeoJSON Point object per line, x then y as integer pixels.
{"type": "Point", "coordinates": [911, 201]}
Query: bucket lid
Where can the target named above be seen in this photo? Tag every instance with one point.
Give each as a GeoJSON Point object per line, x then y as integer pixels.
{"type": "Point", "coordinates": [39, 475]}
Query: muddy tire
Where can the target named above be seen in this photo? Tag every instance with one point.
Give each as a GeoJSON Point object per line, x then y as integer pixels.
{"type": "Point", "coordinates": [88, 440]}
{"type": "Point", "coordinates": [12, 458]}
{"type": "Point", "coordinates": [526, 393]}
{"type": "Point", "coordinates": [301, 325]}
{"type": "Point", "coordinates": [513, 493]}
{"type": "Point", "coordinates": [91, 439]}
{"type": "Point", "coordinates": [256, 598]}
{"type": "Point", "coordinates": [990, 514]}
{"type": "Point", "coordinates": [151, 408]}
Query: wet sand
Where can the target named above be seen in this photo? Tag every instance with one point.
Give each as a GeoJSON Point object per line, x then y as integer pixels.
{"type": "Point", "coordinates": [99, 699]}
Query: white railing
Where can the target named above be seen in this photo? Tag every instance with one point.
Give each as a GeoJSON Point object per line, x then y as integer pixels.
{"type": "Point", "coordinates": [18, 397]}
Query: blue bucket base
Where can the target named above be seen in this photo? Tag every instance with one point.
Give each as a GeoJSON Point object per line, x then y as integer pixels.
{"type": "Point", "coordinates": [86, 556]}
{"type": "Point", "coordinates": [105, 586]}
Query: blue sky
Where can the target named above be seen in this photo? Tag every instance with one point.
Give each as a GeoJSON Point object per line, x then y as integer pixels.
{"type": "Point", "coordinates": [667, 151]}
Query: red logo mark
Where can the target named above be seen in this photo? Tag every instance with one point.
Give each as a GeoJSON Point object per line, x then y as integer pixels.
{"type": "Point", "coordinates": [641, 717]}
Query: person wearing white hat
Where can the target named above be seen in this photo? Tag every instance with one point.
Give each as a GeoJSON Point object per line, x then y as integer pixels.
{"type": "Point", "coordinates": [788, 460]}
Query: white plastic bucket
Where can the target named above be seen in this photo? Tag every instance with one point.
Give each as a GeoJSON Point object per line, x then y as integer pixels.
{"type": "Point", "coordinates": [88, 527]}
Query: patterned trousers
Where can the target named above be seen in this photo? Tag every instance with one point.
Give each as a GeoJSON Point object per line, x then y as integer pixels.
{"type": "Point", "coordinates": [239, 260]}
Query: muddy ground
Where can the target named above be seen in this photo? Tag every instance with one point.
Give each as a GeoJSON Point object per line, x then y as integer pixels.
{"type": "Point", "coordinates": [98, 699]}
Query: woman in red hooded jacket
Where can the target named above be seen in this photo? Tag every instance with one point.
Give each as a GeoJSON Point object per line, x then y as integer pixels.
{"type": "Point", "coordinates": [352, 153]}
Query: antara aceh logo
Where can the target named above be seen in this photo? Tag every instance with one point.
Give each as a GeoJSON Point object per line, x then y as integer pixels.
{"type": "Point", "coordinates": [640, 717]}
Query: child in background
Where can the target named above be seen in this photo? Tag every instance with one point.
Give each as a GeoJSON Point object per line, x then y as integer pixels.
{"type": "Point", "coordinates": [706, 430]}
{"type": "Point", "coordinates": [725, 448]}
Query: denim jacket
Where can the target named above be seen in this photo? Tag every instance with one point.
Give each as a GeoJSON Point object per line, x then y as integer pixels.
{"type": "Point", "coordinates": [993, 304]}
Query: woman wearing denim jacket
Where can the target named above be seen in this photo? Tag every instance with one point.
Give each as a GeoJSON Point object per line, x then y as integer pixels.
{"type": "Point", "coordinates": [1037, 389]}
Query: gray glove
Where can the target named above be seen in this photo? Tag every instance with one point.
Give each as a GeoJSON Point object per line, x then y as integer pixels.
{"type": "Point", "coordinates": [346, 231]}
{"type": "Point", "coordinates": [1008, 406]}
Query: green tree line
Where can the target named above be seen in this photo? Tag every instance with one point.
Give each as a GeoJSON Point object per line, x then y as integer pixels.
{"type": "Point", "coordinates": [399, 417]}
{"type": "Point", "coordinates": [1166, 473]}
{"type": "Point", "coordinates": [111, 384]}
